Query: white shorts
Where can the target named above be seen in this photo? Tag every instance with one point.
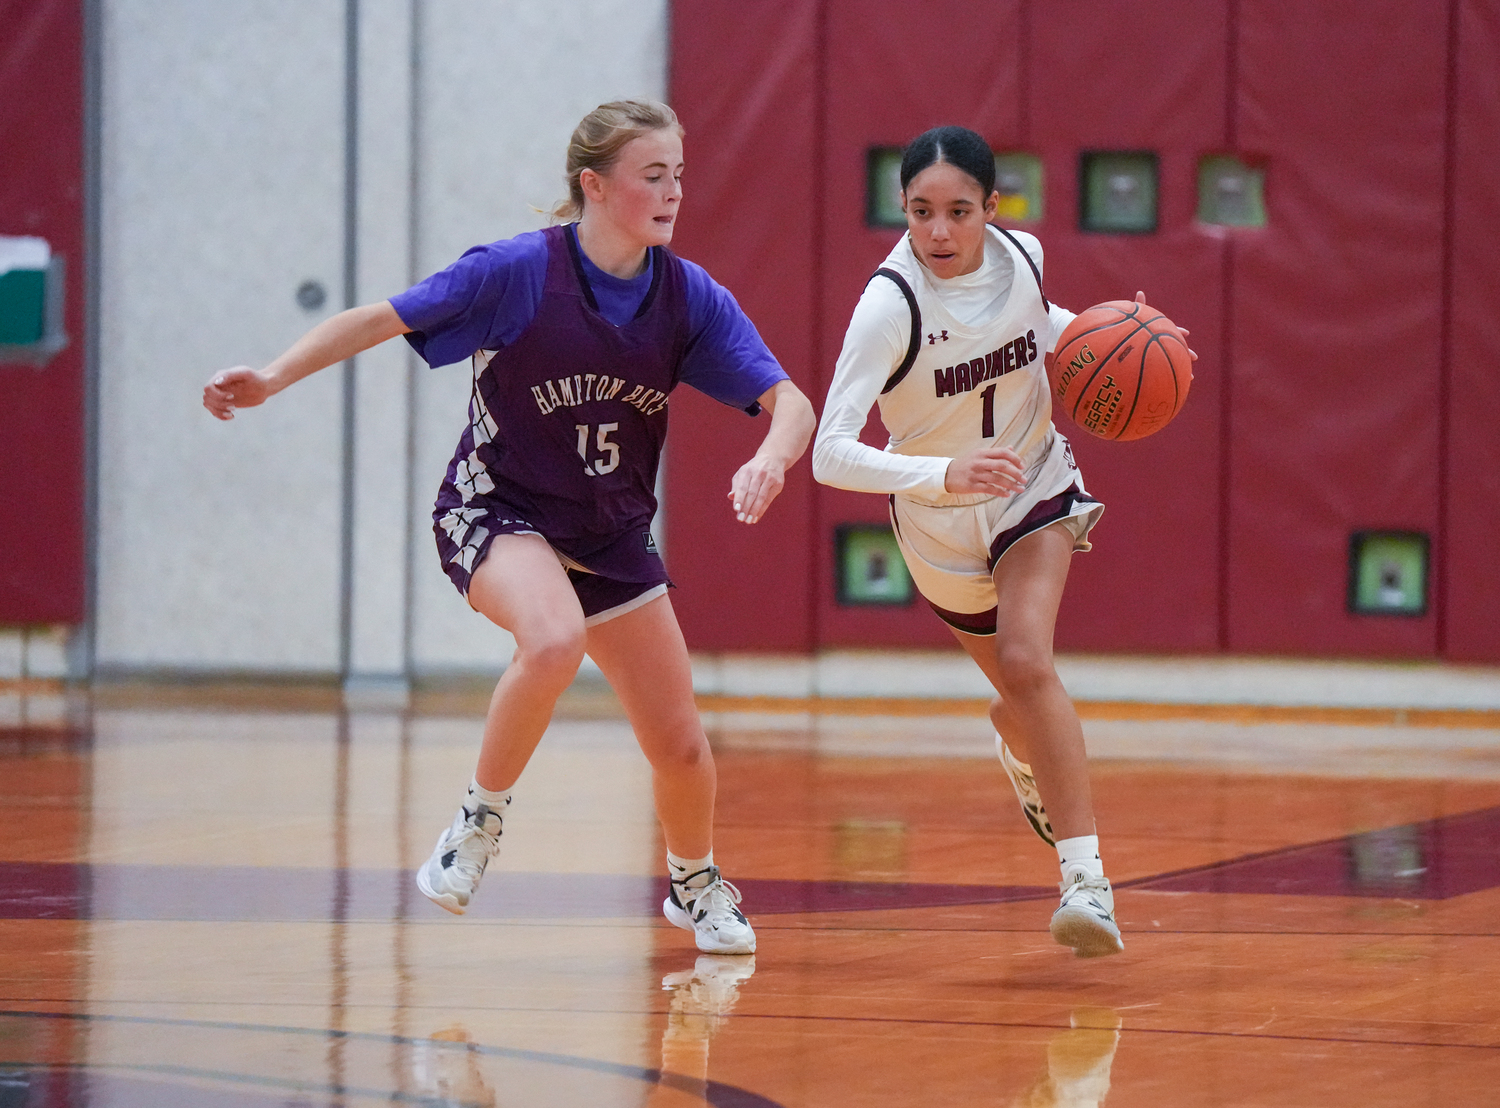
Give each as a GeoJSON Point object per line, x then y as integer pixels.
{"type": "Point", "coordinates": [952, 551]}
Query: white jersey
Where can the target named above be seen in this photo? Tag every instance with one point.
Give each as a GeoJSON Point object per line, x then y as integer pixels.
{"type": "Point", "coordinates": [977, 374]}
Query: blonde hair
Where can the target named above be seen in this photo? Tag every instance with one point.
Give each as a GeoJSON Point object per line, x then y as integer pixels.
{"type": "Point", "coordinates": [599, 138]}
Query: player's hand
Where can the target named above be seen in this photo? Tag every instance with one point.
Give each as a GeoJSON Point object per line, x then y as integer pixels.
{"type": "Point", "coordinates": [240, 387]}
{"type": "Point", "coordinates": [995, 470]}
{"type": "Point", "coordinates": [759, 481]}
{"type": "Point", "coordinates": [1140, 298]}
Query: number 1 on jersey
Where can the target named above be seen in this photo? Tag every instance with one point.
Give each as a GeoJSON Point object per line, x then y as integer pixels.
{"type": "Point", "coordinates": [987, 427]}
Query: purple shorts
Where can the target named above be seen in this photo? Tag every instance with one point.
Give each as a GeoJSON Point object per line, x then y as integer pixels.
{"type": "Point", "coordinates": [464, 535]}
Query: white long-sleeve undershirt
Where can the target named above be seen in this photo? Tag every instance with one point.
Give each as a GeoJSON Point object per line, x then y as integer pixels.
{"type": "Point", "coordinates": [874, 345]}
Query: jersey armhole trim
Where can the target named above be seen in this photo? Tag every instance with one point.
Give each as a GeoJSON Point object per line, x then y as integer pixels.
{"type": "Point", "coordinates": [916, 328]}
{"type": "Point", "coordinates": [1034, 271]}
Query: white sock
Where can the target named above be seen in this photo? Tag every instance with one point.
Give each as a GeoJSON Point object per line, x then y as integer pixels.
{"type": "Point", "coordinates": [496, 802]}
{"type": "Point", "coordinates": [680, 869]}
{"type": "Point", "coordinates": [1081, 850]}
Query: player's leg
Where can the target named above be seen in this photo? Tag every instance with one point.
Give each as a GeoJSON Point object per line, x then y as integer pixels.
{"type": "Point", "coordinates": [644, 657]}
{"type": "Point", "coordinates": [946, 552]}
{"type": "Point", "coordinates": [1010, 744]}
{"type": "Point", "coordinates": [1035, 709]}
{"type": "Point", "coordinates": [521, 587]}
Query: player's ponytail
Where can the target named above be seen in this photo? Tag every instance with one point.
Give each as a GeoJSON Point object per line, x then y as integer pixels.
{"type": "Point", "coordinates": [599, 138]}
{"type": "Point", "coordinates": [956, 146]}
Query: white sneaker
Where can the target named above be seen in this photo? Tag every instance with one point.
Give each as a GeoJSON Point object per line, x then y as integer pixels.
{"type": "Point", "coordinates": [1026, 792]}
{"type": "Point", "coordinates": [1085, 920]}
{"type": "Point", "coordinates": [451, 875]}
{"type": "Point", "coordinates": [711, 911]}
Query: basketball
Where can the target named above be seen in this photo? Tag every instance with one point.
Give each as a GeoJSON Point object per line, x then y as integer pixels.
{"type": "Point", "coordinates": [1121, 370]}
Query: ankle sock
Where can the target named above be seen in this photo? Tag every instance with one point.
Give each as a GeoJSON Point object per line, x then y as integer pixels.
{"type": "Point", "coordinates": [680, 869]}
{"type": "Point", "coordinates": [496, 802]}
{"type": "Point", "coordinates": [1081, 850]}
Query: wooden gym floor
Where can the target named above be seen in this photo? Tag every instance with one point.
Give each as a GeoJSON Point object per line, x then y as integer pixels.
{"type": "Point", "coordinates": [205, 900]}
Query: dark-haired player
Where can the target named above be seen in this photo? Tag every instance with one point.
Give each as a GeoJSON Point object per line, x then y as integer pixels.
{"type": "Point", "coordinates": [578, 335]}
{"type": "Point", "coordinates": [950, 338]}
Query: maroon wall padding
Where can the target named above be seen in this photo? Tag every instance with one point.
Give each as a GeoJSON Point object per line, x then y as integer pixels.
{"type": "Point", "coordinates": [1140, 77]}
{"type": "Point", "coordinates": [886, 84]}
{"type": "Point", "coordinates": [1473, 469]}
{"type": "Point", "coordinates": [1342, 346]}
{"type": "Point", "coordinates": [41, 410]}
{"type": "Point", "coordinates": [1337, 314]}
{"type": "Point", "coordinates": [744, 82]}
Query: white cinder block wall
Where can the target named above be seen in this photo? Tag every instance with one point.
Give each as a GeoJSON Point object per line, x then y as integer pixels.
{"type": "Point", "coordinates": [225, 130]}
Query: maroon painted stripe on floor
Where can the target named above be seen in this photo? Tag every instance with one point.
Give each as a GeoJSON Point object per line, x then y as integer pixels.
{"type": "Point", "coordinates": [1434, 860]}
{"type": "Point", "coordinates": [30, 890]}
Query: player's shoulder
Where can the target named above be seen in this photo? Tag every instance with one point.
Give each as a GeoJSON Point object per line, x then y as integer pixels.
{"type": "Point", "coordinates": [706, 298]}
{"type": "Point", "coordinates": [1024, 239]}
{"type": "Point", "coordinates": [882, 312]}
{"type": "Point", "coordinates": [527, 248]}
{"type": "Point", "coordinates": [880, 289]}
{"type": "Point", "coordinates": [697, 279]}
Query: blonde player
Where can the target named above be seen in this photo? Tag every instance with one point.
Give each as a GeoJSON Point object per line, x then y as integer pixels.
{"type": "Point", "coordinates": [987, 503]}
{"type": "Point", "coordinates": [578, 335]}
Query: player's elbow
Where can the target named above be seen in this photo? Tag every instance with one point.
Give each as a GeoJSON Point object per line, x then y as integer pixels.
{"type": "Point", "coordinates": [826, 465]}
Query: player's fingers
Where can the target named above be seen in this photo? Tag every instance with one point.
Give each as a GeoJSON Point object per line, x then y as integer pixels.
{"type": "Point", "coordinates": [742, 491]}
{"type": "Point", "coordinates": [761, 511]}
{"type": "Point", "coordinates": [760, 497]}
{"type": "Point", "coordinates": [742, 487]}
{"type": "Point", "coordinates": [769, 489]}
{"type": "Point", "coordinates": [1140, 297]}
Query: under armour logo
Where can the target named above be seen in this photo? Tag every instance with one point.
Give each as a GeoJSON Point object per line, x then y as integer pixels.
{"type": "Point", "coordinates": [932, 339]}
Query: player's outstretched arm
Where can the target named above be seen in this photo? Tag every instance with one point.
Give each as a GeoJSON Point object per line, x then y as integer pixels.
{"type": "Point", "coordinates": [761, 479]}
{"type": "Point", "coordinates": [336, 339]}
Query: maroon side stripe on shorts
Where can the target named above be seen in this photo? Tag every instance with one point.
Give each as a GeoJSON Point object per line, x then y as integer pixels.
{"type": "Point", "coordinates": [1046, 512]}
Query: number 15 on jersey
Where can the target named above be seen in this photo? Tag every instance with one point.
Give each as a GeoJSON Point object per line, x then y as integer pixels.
{"type": "Point", "coordinates": [610, 451]}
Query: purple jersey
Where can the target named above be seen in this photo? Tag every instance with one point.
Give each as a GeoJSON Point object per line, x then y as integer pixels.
{"type": "Point", "coordinates": [567, 422]}
{"type": "Point", "coordinates": [486, 299]}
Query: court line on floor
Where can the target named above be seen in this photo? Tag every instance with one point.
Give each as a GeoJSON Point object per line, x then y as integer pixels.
{"type": "Point", "coordinates": [624, 1070]}
{"type": "Point", "coordinates": [715, 1093]}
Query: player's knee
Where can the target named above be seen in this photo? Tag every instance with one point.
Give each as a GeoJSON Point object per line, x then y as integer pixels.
{"type": "Point", "coordinates": [553, 655]}
{"type": "Point", "coordinates": [1024, 670]}
{"type": "Point", "coordinates": [998, 712]}
{"type": "Point", "coordinates": [686, 753]}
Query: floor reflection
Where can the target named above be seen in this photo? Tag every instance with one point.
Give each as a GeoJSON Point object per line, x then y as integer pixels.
{"type": "Point", "coordinates": [206, 907]}
{"type": "Point", "coordinates": [1078, 1062]}
{"type": "Point", "coordinates": [701, 998]}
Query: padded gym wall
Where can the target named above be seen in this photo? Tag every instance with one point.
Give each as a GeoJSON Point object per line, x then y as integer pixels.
{"type": "Point", "coordinates": [1149, 77]}
{"type": "Point", "coordinates": [41, 408]}
{"type": "Point", "coordinates": [1471, 537]}
{"type": "Point", "coordinates": [1337, 306]}
{"type": "Point", "coordinates": [744, 80]}
{"type": "Point", "coordinates": [1339, 343]}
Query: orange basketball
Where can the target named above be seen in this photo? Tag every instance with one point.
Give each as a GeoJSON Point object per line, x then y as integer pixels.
{"type": "Point", "coordinates": [1121, 370]}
